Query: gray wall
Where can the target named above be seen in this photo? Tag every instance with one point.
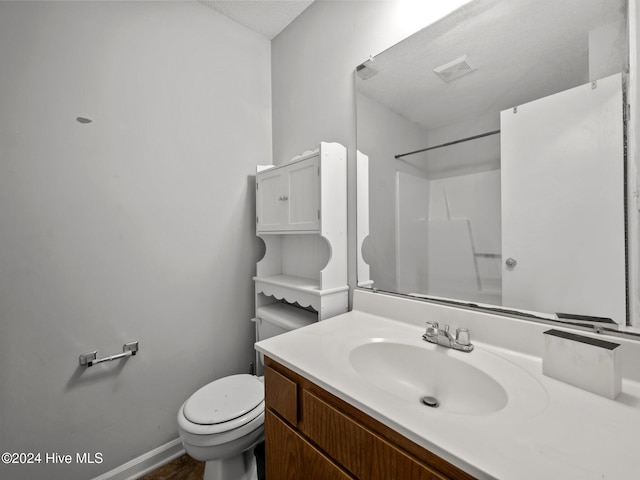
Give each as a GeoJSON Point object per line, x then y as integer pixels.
{"type": "Point", "coordinates": [377, 122]}
{"type": "Point", "coordinates": [138, 226]}
{"type": "Point", "coordinates": [313, 61]}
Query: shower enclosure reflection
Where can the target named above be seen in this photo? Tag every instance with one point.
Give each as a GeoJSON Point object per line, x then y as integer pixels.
{"type": "Point", "coordinates": [497, 178]}
{"type": "Point", "coordinates": [448, 223]}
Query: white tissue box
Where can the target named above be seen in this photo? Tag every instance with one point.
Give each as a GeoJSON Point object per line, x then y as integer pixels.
{"type": "Point", "coordinates": [588, 363]}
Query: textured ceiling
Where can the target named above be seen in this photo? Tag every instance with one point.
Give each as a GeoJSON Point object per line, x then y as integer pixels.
{"type": "Point", "coordinates": [268, 17]}
{"type": "Point", "coordinates": [521, 50]}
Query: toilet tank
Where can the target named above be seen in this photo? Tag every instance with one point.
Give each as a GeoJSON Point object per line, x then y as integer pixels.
{"type": "Point", "coordinates": [278, 318]}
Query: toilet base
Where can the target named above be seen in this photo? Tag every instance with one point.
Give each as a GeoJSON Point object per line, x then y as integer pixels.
{"type": "Point", "coordinates": [238, 467]}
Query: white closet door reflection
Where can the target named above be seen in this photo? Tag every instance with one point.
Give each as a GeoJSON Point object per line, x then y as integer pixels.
{"type": "Point", "coordinates": [563, 202]}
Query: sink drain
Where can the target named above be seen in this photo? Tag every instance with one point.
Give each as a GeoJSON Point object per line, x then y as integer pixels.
{"type": "Point", "coordinates": [430, 401]}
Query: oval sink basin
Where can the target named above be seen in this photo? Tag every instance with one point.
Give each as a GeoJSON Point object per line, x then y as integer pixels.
{"type": "Point", "coordinates": [412, 373]}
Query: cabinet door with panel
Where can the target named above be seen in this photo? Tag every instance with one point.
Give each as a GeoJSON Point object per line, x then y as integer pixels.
{"type": "Point", "coordinates": [288, 197]}
{"type": "Point", "coordinates": [289, 456]}
{"type": "Point", "coordinates": [270, 186]}
{"type": "Point", "coordinates": [303, 204]}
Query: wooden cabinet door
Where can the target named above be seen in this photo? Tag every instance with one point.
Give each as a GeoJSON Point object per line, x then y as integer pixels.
{"type": "Point", "coordinates": [291, 457]}
{"type": "Point", "coordinates": [361, 452]}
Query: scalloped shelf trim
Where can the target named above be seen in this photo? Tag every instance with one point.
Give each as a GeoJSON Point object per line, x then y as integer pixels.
{"type": "Point", "coordinates": [304, 291]}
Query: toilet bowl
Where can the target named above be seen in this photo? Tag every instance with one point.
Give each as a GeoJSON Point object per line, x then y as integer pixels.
{"type": "Point", "coordinates": [221, 423]}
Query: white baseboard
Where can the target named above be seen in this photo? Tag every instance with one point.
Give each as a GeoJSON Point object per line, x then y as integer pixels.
{"type": "Point", "coordinates": [145, 463]}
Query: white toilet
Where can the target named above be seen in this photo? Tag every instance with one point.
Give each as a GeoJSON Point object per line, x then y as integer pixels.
{"type": "Point", "coordinates": [222, 422]}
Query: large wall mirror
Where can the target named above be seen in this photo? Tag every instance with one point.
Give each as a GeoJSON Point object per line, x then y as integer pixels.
{"type": "Point", "coordinates": [492, 161]}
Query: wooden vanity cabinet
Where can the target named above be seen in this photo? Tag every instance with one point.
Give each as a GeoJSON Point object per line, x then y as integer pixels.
{"type": "Point", "coordinates": [312, 434]}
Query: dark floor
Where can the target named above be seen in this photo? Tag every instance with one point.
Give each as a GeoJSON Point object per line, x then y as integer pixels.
{"type": "Point", "coordinates": [182, 468]}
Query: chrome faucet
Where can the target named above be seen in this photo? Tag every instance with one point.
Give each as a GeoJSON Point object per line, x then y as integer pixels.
{"type": "Point", "coordinates": [439, 336]}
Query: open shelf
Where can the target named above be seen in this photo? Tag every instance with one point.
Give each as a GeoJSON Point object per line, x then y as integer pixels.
{"type": "Point", "coordinates": [285, 315]}
{"type": "Point", "coordinates": [300, 284]}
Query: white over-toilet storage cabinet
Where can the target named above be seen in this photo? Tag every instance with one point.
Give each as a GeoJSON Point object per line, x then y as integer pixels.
{"type": "Point", "coordinates": [301, 215]}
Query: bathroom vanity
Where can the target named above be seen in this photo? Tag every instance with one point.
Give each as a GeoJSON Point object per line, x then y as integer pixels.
{"type": "Point", "coordinates": [343, 401]}
{"type": "Point", "coordinates": [311, 433]}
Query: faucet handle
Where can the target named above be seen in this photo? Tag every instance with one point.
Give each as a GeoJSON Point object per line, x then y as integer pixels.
{"type": "Point", "coordinates": [463, 337]}
{"type": "Point", "coordinates": [432, 329]}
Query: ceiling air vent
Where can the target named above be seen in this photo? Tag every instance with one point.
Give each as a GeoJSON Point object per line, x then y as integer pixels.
{"type": "Point", "coordinates": [454, 69]}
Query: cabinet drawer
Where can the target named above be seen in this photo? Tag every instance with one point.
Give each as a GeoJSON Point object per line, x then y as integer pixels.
{"type": "Point", "coordinates": [289, 456]}
{"type": "Point", "coordinates": [281, 395]}
{"type": "Point", "coordinates": [360, 451]}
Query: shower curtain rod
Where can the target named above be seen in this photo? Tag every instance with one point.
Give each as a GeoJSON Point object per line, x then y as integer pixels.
{"type": "Point", "coordinates": [494, 132]}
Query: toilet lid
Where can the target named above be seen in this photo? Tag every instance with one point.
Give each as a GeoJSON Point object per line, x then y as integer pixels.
{"type": "Point", "coordinates": [224, 399]}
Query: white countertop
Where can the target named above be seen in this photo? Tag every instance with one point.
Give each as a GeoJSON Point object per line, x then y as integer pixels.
{"type": "Point", "coordinates": [554, 431]}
